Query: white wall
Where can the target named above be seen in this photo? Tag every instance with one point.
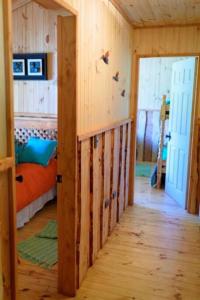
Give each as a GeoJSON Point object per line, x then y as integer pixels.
{"type": "Point", "coordinates": [155, 81]}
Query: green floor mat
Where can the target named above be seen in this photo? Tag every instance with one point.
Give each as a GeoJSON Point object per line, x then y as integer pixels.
{"type": "Point", "coordinates": [50, 231]}
{"type": "Point", "coordinates": [41, 250]}
{"type": "Point", "coordinates": [144, 169]}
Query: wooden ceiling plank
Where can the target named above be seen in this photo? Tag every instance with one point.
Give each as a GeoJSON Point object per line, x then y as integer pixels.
{"type": "Point", "coordinates": [149, 13]}
{"type": "Point", "coordinates": [121, 10]}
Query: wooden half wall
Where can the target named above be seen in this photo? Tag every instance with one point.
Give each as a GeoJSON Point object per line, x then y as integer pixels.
{"type": "Point", "coordinates": [103, 187]}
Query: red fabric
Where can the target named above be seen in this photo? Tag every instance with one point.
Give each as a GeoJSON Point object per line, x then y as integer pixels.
{"type": "Point", "coordinates": [37, 180]}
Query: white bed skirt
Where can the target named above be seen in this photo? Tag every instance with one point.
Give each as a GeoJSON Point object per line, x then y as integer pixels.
{"type": "Point", "coordinates": [26, 214]}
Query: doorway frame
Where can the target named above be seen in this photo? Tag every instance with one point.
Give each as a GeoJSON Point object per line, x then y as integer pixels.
{"type": "Point", "coordinates": [67, 264]}
{"type": "Point", "coordinates": [192, 186]}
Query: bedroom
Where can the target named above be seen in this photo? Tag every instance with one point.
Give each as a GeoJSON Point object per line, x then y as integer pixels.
{"type": "Point", "coordinates": [35, 65]}
{"type": "Point", "coordinates": [35, 106]}
{"type": "Point", "coordinates": [166, 97]}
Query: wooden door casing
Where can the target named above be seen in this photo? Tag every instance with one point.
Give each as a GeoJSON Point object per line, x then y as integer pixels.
{"type": "Point", "coordinates": [7, 169]}
{"type": "Point", "coordinates": [192, 205]}
{"type": "Point", "coordinates": [67, 155]}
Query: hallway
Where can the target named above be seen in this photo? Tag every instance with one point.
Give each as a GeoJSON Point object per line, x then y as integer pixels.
{"type": "Point", "coordinates": [154, 253]}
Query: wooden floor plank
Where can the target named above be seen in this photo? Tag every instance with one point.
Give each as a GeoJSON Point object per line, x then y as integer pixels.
{"type": "Point", "coordinates": [153, 254]}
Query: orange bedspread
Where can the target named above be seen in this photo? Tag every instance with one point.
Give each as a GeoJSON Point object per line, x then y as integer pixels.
{"type": "Point", "coordinates": [37, 180]}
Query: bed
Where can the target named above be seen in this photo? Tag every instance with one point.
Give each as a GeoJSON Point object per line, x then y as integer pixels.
{"type": "Point", "coordinates": [35, 183]}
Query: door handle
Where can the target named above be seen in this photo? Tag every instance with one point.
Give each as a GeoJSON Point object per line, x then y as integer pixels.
{"type": "Point", "coordinates": [168, 136]}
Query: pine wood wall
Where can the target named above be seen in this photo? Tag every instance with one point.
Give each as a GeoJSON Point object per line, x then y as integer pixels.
{"type": "Point", "coordinates": [101, 28]}
{"type": "Point", "coordinates": [34, 31]}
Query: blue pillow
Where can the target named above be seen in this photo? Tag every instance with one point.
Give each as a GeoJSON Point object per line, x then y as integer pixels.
{"type": "Point", "coordinates": [18, 150]}
{"type": "Point", "coordinates": [38, 151]}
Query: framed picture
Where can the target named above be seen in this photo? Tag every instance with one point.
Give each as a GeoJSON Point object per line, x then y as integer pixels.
{"type": "Point", "coordinates": [35, 67]}
{"type": "Point", "coordinates": [19, 70]}
{"type": "Point", "coordinates": [30, 66]}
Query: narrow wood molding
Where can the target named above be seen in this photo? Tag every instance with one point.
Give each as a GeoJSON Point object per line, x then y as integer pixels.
{"type": "Point", "coordinates": [67, 6]}
{"type": "Point", "coordinates": [88, 135]}
{"type": "Point", "coordinates": [56, 5]}
{"type": "Point", "coordinates": [31, 116]}
{"type": "Point", "coordinates": [6, 164]}
{"type": "Point", "coordinates": [37, 123]}
{"type": "Point", "coordinates": [48, 4]}
{"type": "Point", "coordinates": [165, 26]}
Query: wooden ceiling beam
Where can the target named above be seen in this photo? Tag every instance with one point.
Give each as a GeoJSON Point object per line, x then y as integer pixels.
{"type": "Point", "coordinates": [48, 4]}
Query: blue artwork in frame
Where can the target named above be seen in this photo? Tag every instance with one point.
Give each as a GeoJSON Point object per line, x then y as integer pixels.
{"type": "Point", "coordinates": [30, 66]}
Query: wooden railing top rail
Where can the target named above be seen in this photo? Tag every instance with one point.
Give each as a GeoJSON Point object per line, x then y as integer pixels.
{"type": "Point", "coordinates": [6, 164]}
{"type": "Point", "coordinates": [103, 129]}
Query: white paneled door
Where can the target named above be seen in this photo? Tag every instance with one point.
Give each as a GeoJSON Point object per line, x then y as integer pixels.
{"type": "Point", "coordinates": [182, 94]}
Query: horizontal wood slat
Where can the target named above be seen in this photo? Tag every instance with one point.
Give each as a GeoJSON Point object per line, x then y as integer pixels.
{"type": "Point", "coordinates": [6, 164]}
{"type": "Point", "coordinates": [38, 123]}
{"type": "Point", "coordinates": [102, 130]}
{"type": "Point", "coordinates": [103, 168]}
